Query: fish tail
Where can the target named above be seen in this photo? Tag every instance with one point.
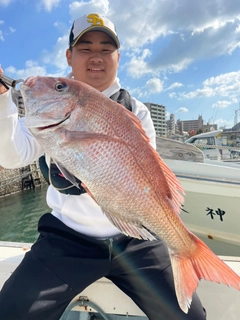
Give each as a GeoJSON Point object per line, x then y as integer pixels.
{"type": "Point", "coordinates": [202, 263]}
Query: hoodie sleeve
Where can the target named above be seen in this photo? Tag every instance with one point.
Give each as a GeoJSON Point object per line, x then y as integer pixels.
{"type": "Point", "coordinates": [18, 147]}
{"type": "Point", "coordinates": [142, 112]}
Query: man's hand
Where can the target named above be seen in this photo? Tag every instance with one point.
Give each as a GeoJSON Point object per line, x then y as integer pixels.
{"type": "Point", "coordinates": [2, 88]}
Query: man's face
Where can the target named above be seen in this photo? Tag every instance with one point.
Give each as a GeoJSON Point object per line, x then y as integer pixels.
{"type": "Point", "coordinates": [94, 60]}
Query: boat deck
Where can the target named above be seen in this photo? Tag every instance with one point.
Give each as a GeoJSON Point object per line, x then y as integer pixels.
{"type": "Point", "coordinates": [220, 301]}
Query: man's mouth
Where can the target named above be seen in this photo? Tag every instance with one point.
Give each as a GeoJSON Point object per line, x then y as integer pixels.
{"type": "Point", "coordinates": [95, 69]}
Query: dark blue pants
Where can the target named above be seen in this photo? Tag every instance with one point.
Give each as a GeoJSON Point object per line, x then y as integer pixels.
{"type": "Point", "coordinates": [63, 262]}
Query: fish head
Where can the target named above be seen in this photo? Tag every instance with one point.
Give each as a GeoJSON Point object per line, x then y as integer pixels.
{"type": "Point", "coordinates": [49, 101]}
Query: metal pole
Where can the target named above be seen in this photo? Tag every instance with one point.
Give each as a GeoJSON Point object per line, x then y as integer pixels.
{"type": "Point", "coordinates": [7, 81]}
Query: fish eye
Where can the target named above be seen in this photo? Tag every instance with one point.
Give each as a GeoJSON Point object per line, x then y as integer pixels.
{"type": "Point", "coordinates": [59, 86]}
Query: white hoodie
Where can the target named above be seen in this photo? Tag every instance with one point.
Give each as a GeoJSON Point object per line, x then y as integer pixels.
{"type": "Point", "coordinates": [20, 148]}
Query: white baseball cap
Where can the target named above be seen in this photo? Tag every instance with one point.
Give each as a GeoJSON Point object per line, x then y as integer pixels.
{"type": "Point", "coordinates": [92, 22]}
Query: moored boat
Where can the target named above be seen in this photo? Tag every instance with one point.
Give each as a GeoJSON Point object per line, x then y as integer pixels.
{"type": "Point", "coordinates": [218, 145]}
{"type": "Point", "coordinates": [212, 199]}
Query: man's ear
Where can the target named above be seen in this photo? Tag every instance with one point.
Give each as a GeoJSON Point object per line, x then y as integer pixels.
{"type": "Point", "coordinates": [118, 58]}
{"type": "Point", "coordinates": [69, 57]}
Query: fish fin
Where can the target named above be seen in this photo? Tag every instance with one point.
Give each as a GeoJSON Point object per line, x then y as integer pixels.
{"type": "Point", "coordinates": [129, 228]}
{"type": "Point", "coordinates": [176, 190]}
{"type": "Point", "coordinates": [136, 121]}
{"type": "Point", "coordinates": [201, 264]}
{"type": "Point", "coordinates": [167, 181]}
{"type": "Point", "coordinates": [67, 175]}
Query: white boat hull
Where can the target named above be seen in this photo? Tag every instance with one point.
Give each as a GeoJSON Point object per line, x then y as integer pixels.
{"type": "Point", "coordinates": [220, 301]}
{"type": "Point", "coordinates": [212, 200]}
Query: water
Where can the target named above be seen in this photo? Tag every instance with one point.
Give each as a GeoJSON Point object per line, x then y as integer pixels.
{"type": "Point", "coordinates": [19, 215]}
{"type": "Point", "coordinates": [20, 212]}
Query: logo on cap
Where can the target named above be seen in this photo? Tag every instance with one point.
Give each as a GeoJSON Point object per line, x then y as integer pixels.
{"type": "Point", "coordinates": [95, 20]}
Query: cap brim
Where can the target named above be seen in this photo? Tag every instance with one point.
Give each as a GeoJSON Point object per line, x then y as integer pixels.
{"type": "Point", "coordinates": [98, 28]}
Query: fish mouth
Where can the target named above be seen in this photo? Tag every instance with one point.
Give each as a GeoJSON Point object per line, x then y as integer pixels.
{"type": "Point", "coordinates": [53, 125]}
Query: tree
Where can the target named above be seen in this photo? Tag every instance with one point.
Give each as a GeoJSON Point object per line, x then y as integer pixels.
{"type": "Point", "coordinates": [192, 132]}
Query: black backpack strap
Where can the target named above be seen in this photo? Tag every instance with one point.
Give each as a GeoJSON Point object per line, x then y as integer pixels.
{"type": "Point", "coordinates": [123, 97]}
{"type": "Point", "coordinates": [57, 179]}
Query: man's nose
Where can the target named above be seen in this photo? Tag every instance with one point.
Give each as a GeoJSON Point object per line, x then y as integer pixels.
{"type": "Point", "coordinates": [96, 57]}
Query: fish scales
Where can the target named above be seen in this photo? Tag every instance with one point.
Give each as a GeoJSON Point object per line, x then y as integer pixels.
{"type": "Point", "coordinates": [123, 176]}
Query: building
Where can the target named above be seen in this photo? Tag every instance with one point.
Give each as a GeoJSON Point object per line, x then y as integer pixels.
{"type": "Point", "coordinates": [236, 127]}
{"type": "Point", "coordinates": [209, 127]}
{"type": "Point", "coordinates": [171, 127]}
{"type": "Point", "coordinates": [158, 115]}
{"type": "Point", "coordinates": [183, 127]}
{"type": "Point", "coordinates": [189, 125]}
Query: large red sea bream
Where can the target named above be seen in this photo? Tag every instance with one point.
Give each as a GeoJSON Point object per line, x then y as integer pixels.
{"type": "Point", "coordinates": [103, 144]}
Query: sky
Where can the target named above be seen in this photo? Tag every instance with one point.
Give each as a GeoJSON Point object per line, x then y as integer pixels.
{"type": "Point", "coordinates": [183, 54]}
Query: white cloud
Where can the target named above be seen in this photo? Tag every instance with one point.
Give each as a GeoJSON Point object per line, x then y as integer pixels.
{"type": "Point", "coordinates": [12, 30]}
{"type": "Point", "coordinates": [137, 65]}
{"type": "Point", "coordinates": [79, 8]}
{"type": "Point", "coordinates": [204, 92]}
{"type": "Point", "coordinates": [154, 85]}
{"type": "Point", "coordinates": [6, 2]}
{"type": "Point", "coordinates": [1, 33]}
{"type": "Point", "coordinates": [181, 110]}
{"type": "Point", "coordinates": [167, 114]}
{"type": "Point", "coordinates": [57, 57]}
{"type": "Point", "coordinates": [209, 26]}
{"type": "Point", "coordinates": [172, 95]}
{"type": "Point", "coordinates": [225, 85]}
{"type": "Point", "coordinates": [222, 123]}
{"type": "Point", "coordinates": [238, 28]}
{"type": "Point", "coordinates": [49, 4]}
{"type": "Point", "coordinates": [174, 85]}
{"type": "Point", "coordinates": [32, 69]}
{"type": "Point", "coordinates": [180, 53]}
{"type": "Point", "coordinates": [226, 78]}
{"type": "Point", "coordinates": [185, 31]}
{"type": "Point", "coordinates": [222, 104]}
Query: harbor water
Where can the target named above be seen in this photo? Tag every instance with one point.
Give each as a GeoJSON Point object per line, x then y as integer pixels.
{"type": "Point", "coordinates": [20, 212]}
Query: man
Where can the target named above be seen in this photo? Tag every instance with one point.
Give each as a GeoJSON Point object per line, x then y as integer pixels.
{"type": "Point", "coordinates": [77, 244]}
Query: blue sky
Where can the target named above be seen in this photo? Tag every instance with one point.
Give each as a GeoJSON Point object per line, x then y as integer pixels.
{"type": "Point", "coordinates": [184, 54]}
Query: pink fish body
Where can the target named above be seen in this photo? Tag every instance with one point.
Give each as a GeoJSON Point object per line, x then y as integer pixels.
{"type": "Point", "coordinates": [103, 144]}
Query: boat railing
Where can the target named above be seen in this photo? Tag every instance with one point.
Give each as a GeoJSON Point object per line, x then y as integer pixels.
{"type": "Point", "coordinates": [209, 146]}
{"type": "Point", "coordinates": [219, 152]}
